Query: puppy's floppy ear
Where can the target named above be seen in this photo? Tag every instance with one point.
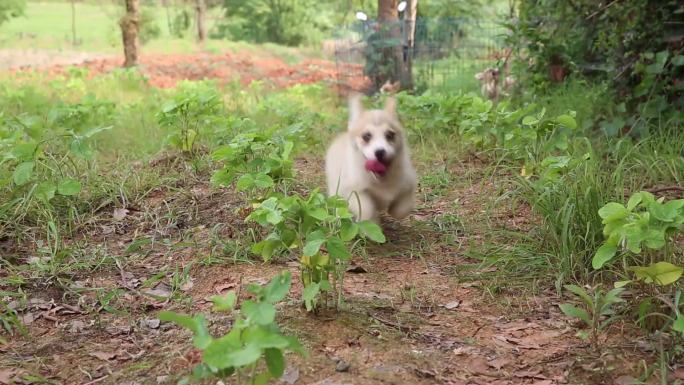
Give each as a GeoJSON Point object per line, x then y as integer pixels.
{"type": "Point", "coordinates": [391, 106]}
{"type": "Point", "coordinates": [355, 107]}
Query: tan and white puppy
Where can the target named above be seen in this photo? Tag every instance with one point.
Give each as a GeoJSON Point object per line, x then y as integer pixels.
{"type": "Point", "coordinates": [370, 164]}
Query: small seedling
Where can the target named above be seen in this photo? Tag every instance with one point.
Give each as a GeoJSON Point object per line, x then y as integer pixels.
{"type": "Point", "coordinates": [254, 340]}
{"type": "Point", "coordinates": [597, 312]}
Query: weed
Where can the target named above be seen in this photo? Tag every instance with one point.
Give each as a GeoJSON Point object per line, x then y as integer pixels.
{"type": "Point", "coordinates": [254, 336]}
{"type": "Point", "coordinates": [597, 312]}
{"type": "Point", "coordinates": [195, 108]}
{"type": "Point", "coordinates": [306, 225]}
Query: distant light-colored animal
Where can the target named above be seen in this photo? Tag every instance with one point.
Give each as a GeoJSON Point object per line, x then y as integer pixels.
{"type": "Point", "coordinates": [489, 80]}
{"type": "Point", "coordinates": [370, 165]}
{"type": "Point", "coordinates": [390, 88]}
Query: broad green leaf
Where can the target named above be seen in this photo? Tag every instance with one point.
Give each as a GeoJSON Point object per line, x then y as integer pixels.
{"type": "Point", "coordinates": [678, 60]}
{"type": "Point", "coordinates": [223, 153]}
{"type": "Point", "coordinates": [667, 212]}
{"type": "Point", "coordinates": [349, 231]}
{"type": "Point", "coordinates": [275, 362]}
{"type": "Point", "coordinates": [575, 312]}
{"type": "Point", "coordinates": [261, 379]}
{"type": "Point", "coordinates": [633, 234]}
{"type": "Point", "coordinates": [278, 287]}
{"type": "Point", "coordinates": [24, 151]}
{"type": "Point", "coordinates": [309, 295]}
{"type": "Point", "coordinates": [263, 338]}
{"type": "Point", "coordinates": [260, 313]}
{"type": "Point", "coordinates": [312, 247]}
{"type": "Point", "coordinates": [266, 248]}
{"type": "Point", "coordinates": [68, 187]}
{"type": "Point", "coordinates": [274, 217]}
{"type": "Point", "coordinates": [337, 249]}
{"type": "Point", "coordinates": [224, 302]}
{"type": "Point", "coordinates": [196, 324]}
{"type": "Point", "coordinates": [567, 121]}
{"type": "Point", "coordinates": [222, 353]}
{"type": "Point", "coordinates": [45, 191]}
{"type": "Point", "coordinates": [660, 273]}
{"type": "Point", "coordinates": [246, 181]}
{"type": "Point", "coordinates": [678, 324]}
{"type": "Point", "coordinates": [604, 254]}
{"type": "Point", "coordinates": [318, 213]}
{"type": "Point", "coordinates": [613, 211]}
{"type": "Point", "coordinates": [372, 230]}
{"type": "Point", "coordinates": [23, 173]}
{"type": "Point", "coordinates": [634, 200]}
{"type": "Point", "coordinates": [654, 238]}
{"type": "Point", "coordinates": [263, 181]}
{"type": "Point", "coordinates": [222, 178]}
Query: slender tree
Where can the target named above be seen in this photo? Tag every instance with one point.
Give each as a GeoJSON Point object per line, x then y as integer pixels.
{"type": "Point", "coordinates": [130, 28]}
{"type": "Point", "coordinates": [201, 13]}
{"type": "Point", "coordinates": [388, 18]}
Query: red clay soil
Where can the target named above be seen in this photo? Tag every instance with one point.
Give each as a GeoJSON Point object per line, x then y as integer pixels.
{"type": "Point", "coordinates": [166, 70]}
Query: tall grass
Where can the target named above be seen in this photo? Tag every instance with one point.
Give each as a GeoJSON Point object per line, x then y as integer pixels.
{"type": "Point", "coordinates": [571, 229]}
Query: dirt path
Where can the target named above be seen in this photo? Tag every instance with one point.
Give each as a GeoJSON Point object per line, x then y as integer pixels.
{"type": "Point", "coordinates": [417, 313]}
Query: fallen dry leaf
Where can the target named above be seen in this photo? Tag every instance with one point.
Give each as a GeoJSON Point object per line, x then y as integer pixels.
{"type": "Point", "coordinates": [291, 375]}
{"type": "Point", "coordinates": [7, 375]}
{"type": "Point", "coordinates": [187, 286]}
{"type": "Point", "coordinates": [104, 356]}
{"type": "Point", "coordinates": [479, 365]}
{"type": "Point", "coordinates": [119, 214]}
{"type": "Point", "coordinates": [499, 363]}
{"type": "Point", "coordinates": [452, 305]}
{"type": "Point", "coordinates": [224, 286]}
{"type": "Point", "coordinates": [532, 373]}
{"type": "Point", "coordinates": [161, 290]}
{"type": "Point", "coordinates": [625, 380]}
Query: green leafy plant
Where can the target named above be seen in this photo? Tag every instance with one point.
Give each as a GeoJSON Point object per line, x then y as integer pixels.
{"type": "Point", "coordinates": [191, 111]}
{"type": "Point", "coordinates": [258, 160]}
{"type": "Point", "coordinates": [321, 230]}
{"type": "Point", "coordinates": [643, 222]}
{"type": "Point", "coordinates": [597, 311]}
{"type": "Point", "coordinates": [253, 339]}
{"type": "Point", "coordinates": [43, 160]}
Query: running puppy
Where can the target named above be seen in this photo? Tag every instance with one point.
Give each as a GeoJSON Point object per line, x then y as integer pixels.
{"type": "Point", "coordinates": [370, 165]}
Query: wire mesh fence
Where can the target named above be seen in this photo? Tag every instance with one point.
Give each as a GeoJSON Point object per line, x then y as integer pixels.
{"type": "Point", "coordinates": [436, 52]}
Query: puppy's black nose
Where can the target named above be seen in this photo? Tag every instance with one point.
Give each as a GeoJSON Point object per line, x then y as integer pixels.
{"type": "Point", "coordinates": [380, 154]}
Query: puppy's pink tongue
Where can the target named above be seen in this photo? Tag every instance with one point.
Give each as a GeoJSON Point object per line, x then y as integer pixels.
{"type": "Point", "coordinates": [376, 166]}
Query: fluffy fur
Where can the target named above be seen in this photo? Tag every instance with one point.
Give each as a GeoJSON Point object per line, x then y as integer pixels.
{"type": "Point", "coordinates": [372, 135]}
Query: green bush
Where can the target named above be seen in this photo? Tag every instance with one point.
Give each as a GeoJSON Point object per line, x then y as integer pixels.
{"type": "Point", "coordinates": [292, 22]}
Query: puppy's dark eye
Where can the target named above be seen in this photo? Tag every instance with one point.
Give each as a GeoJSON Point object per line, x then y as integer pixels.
{"type": "Point", "coordinates": [366, 137]}
{"type": "Point", "coordinates": [390, 135]}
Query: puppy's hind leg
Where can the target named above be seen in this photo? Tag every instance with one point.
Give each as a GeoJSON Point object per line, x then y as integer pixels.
{"type": "Point", "coordinates": [363, 207]}
{"type": "Point", "coordinates": [402, 206]}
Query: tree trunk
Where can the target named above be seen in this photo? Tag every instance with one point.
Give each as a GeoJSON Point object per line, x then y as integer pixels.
{"type": "Point", "coordinates": [410, 18]}
{"type": "Point", "coordinates": [200, 12]}
{"type": "Point", "coordinates": [397, 54]}
{"type": "Point", "coordinates": [130, 27]}
{"type": "Point", "coordinates": [73, 22]}
{"type": "Point", "coordinates": [387, 10]}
